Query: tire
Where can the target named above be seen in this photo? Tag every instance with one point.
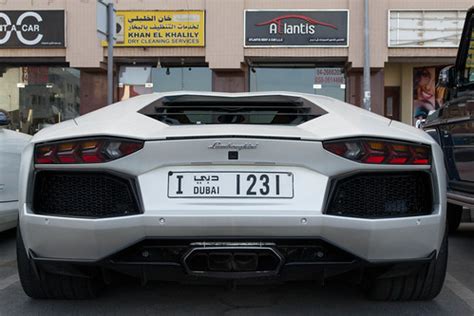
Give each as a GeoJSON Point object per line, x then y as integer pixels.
{"type": "Point", "coordinates": [51, 286]}
{"type": "Point", "coordinates": [424, 284]}
{"type": "Point", "coordinates": [453, 216]}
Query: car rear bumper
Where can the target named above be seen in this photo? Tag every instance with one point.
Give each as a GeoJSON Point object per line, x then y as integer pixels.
{"type": "Point", "coordinates": [373, 240]}
{"type": "Point", "coordinates": [267, 259]}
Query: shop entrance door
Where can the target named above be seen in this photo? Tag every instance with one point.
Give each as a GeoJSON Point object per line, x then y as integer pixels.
{"type": "Point", "coordinates": [392, 103]}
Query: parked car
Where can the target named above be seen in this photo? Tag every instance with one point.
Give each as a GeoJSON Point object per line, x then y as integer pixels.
{"type": "Point", "coordinates": [452, 126]}
{"type": "Point", "coordinates": [188, 185]}
{"type": "Point", "coordinates": [11, 145]}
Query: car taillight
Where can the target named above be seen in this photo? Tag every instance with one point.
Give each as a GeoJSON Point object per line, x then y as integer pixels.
{"type": "Point", "coordinates": [85, 151]}
{"type": "Point", "coordinates": [380, 151]}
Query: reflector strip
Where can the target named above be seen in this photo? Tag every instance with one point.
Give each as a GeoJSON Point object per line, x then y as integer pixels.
{"type": "Point", "coordinates": [421, 161]}
{"type": "Point", "coordinates": [67, 158]}
{"type": "Point", "coordinates": [398, 160]}
{"type": "Point", "coordinates": [374, 159]}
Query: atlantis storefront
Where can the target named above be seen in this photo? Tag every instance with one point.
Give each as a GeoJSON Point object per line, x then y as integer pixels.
{"type": "Point", "coordinates": [53, 65]}
{"type": "Point", "coordinates": [286, 29]}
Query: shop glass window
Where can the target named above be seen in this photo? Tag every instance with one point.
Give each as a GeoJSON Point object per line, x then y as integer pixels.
{"type": "Point", "coordinates": [38, 96]}
{"type": "Point", "coordinates": [328, 81]}
{"type": "Point", "coordinates": [134, 75]}
{"type": "Point", "coordinates": [181, 78]}
{"type": "Point", "coordinates": [135, 81]}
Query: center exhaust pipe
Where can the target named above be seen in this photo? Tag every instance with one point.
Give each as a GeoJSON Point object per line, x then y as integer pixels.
{"type": "Point", "coordinates": [231, 261]}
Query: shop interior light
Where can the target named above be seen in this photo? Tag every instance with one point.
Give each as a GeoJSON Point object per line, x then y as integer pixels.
{"type": "Point", "coordinates": [380, 151]}
{"type": "Point", "coordinates": [85, 151]}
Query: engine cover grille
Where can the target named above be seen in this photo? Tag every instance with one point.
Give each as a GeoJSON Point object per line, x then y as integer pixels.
{"type": "Point", "coordinates": [83, 194]}
{"type": "Point", "coordinates": [382, 195]}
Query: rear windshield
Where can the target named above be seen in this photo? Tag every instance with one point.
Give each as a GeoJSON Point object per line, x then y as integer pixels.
{"type": "Point", "coordinates": [197, 109]}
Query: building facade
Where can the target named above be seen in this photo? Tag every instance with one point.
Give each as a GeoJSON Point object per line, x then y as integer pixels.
{"type": "Point", "coordinates": [53, 64]}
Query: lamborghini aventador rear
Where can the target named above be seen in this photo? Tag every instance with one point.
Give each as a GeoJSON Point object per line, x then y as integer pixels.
{"type": "Point", "coordinates": [212, 185]}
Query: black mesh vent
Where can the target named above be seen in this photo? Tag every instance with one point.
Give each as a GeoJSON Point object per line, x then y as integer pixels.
{"type": "Point", "coordinates": [379, 195]}
{"type": "Point", "coordinates": [83, 194]}
{"type": "Point", "coordinates": [205, 109]}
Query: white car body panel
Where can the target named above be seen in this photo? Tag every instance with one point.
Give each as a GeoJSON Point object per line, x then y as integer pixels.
{"type": "Point", "coordinates": [168, 148]}
{"type": "Point", "coordinates": [11, 145]}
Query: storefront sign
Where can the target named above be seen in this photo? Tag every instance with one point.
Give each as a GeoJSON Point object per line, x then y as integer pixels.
{"type": "Point", "coordinates": [32, 29]}
{"type": "Point", "coordinates": [160, 28]}
{"type": "Point", "coordinates": [425, 28]}
{"type": "Point", "coordinates": [296, 28]}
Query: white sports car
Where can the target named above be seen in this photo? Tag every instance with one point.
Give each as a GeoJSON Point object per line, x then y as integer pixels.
{"type": "Point", "coordinates": [190, 185]}
{"type": "Point", "coordinates": [11, 146]}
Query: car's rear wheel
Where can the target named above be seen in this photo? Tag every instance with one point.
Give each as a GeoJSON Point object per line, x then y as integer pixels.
{"type": "Point", "coordinates": [424, 284]}
{"type": "Point", "coordinates": [44, 285]}
{"type": "Point", "coordinates": [454, 215]}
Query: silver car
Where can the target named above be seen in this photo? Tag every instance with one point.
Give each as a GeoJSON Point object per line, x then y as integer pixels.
{"type": "Point", "coordinates": [188, 185]}
{"type": "Point", "coordinates": [11, 146]}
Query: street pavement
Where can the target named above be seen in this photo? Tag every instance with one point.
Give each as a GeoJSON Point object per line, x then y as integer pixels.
{"type": "Point", "coordinates": [335, 298]}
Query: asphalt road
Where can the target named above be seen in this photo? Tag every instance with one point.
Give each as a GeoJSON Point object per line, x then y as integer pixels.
{"type": "Point", "coordinates": [338, 297]}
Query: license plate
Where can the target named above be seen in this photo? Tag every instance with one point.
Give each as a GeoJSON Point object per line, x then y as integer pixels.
{"type": "Point", "coordinates": [230, 185]}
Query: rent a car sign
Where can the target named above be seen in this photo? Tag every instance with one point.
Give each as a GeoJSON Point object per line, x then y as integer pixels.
{"type": "Point", "coordinates": [160, 28]}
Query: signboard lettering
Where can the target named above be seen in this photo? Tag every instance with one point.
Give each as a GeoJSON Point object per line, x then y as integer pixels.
{"type": "Point", "coordinates": [32, 29]}
{"type": "Point", "coordinates": [160, 28]}
{"type": "Point", "coordinates": [296, 28]}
